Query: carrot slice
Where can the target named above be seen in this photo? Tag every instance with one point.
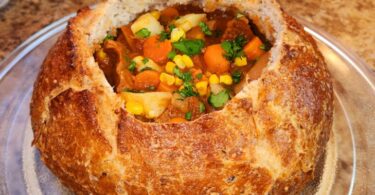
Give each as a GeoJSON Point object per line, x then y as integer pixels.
{"type": "Point", "coordinates": [215, 60]}
{"type": "Point", "coordinates": [157, 50]}
{"type": "Point", "coordinates": [195, 33]}
{"type": "Point", "coordinates": [177, 120]}
{"type": "Point", "coordinates": [166, 88]}
{"type": "Point", "coordinates": [252, 49]}
{"type": "Point", "coordinates": [146, 80]}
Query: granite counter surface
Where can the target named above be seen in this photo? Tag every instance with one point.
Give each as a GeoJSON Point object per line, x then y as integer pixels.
{"type": "Point", "coordinates": [352, 22]}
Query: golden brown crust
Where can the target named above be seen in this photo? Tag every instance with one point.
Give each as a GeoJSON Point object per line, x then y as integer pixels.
{"type": "Point", "coordinates": [266, 141]}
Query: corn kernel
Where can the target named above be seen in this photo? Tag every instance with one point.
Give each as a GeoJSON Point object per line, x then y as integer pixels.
{"type": "Point", "coordinates": [134, 107]}
{"type": "Point", "coordinates": [179, 62]}
{"type": "Point", "coordinates": [240, 61]}
{"type": "Point", "coordinates": [167, 79]}
{"type": "Point", "coordinates": [208, 74]}
{"type": "Point", "coordinates": [178, 81]}
{"type": "Point", "coordinates": [226, 79]}
{"type": "Point", "coordinates": [187, 61]}
{"type": "Point", "coordinates": [181, 88]}
{"type": "Point", "coordinates": [177, 34]}
{"type": "Point", "coordinates": [213, 79]}
{"type": "Point", "coordinates": [201, 87]}
{"type": "Point", "coordinates": [169, 67]}
{"type": "Point", "coordinates": [155, 14]}
{"type": "Point", "coordinates": [101, 54]}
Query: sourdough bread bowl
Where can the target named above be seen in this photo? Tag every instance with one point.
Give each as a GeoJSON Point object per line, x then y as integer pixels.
{"type": "Point", "coordinates": [267, 139]}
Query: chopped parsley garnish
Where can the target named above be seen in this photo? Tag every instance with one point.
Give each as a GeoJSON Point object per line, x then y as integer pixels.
{"type": "Point", "coordinates": [171, 54]}
{"type": "Point", "coordinates": [236, 76]}
{"type": "Point", "coordinates": [143, 33]}
{"type": "Point", "coordinates": [205, 28]}
{"type": "Point", "coordinates": [145, 60]}
{"type": "Point", "coordinates": [202, 107]}
{"type": "Point", "coordinates": [132, 66]}
{"type": "Point", "coordinates": [219, 100]}
{"type": "Point", "coordinates": [266, 46]}
{"type": "Point", "coordinates": [188, 115]}
{"type": "Point", "coordinates": [233, 48]}
{"type": "Point", "coordinates": [164, 36]}
{"type": "Point", "coordinates": [171, 27]}
{"type": "Point", "coordinates": [109, 37]}
{"type": "Point", "coordinates": [184, 76]}
{"type": "Point", "coordinates": [188, 89]}
{"type": "Point", "coordinates": [199, 76]}
{"type": "Point", "coordinates": [189, 46]}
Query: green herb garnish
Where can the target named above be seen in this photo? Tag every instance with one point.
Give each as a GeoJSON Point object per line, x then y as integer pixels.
{"type": "Point", "coordinates": [171, 27]}
{"type": "Point", "coordinates": [236, 76]}
{"type": "Point", "coordinates": [199, 76]}
{"type": "Point", "coordinates": [184, 76]}
{"type": "Point", "coordinates": [143, 33]}
{"type": "Point", "coordinates": [202, 107]}
{"type": "Point", "coordinates": [188, 89]}
{"type": "Point", "coordinates": [145, 60]}
{"type": "Point", "coordinates": [109, 37]}
{"type": "Point", "coordinates": [189, 47]}
{"type": "Point", "coordinates": [205, 28]}
{"type": "Point", "coordinates": [188, 115]}
{"type": "Point", "coordinates": [132, 66]}
{"type": "Point", "coordinates": [171, 54]}
{"type": "Point", "coordinates": [164, 36]}
{"type": "Point", "coordinates": [233, 48]}
{"type": "Point", "coordinates": [219, 100]}
{"type": "Point", "coordinates": [266, 46]}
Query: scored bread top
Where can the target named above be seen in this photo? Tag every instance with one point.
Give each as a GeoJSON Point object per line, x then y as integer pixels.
{"type": "Point", "coordinates": [267, 139]}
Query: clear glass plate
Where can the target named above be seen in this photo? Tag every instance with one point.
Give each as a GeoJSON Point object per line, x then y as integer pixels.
{"type": "Point", "coordinates": [346, 169]}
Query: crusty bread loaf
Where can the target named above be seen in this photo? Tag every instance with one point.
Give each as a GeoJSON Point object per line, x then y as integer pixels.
{"type": "Point", "coordinates": [267, 139]}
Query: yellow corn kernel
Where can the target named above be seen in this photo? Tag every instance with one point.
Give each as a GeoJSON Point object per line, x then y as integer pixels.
{"type": "Point", "coordinates": [181, 88]}
{"type": "Point", "coordinates": [187, 61]}
{"type": "Point", "coordinates": [179, 62]}
{"type": "Point", "coordinates": [134, 107]}
{"type": "Point", "coordinates": [177, 34]}
{"type": "Point", "coordinates": [101, 54]}
{"type": "Point", "coordinates": [178, 81]}
{"type": "Point", "coordinates": [226, 79]}
{"type": "Point", "coordinates": [201, 87]}
{"type": "Point", "coordinates": [240, 61]}
{"type": "Point", "coordinates": [155, 14]}
{"type": "Point", "coordinates": [213, 79]}
{"type": "Point", "coordinates": [167, 79]}
{"type": "Point", "coordinates": [169, 67]}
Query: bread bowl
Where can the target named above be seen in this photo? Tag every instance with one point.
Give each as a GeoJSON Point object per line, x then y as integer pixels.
{"type": "Point", "coordinates": [268, 138]}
